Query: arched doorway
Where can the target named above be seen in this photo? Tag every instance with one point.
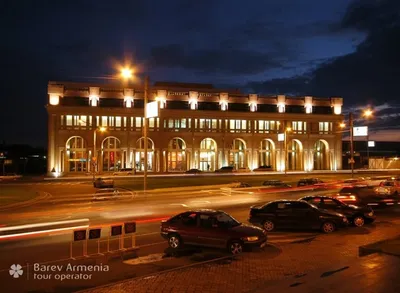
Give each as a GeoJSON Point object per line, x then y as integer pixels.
{"type": "Point", "coordinates": [321, 155]}
{"type": "Point", "coordinates": [76, 154]}
{"type": "Point", "coordinates": [208, 149]}
{"type": "Point", "coordinates": [295, 152]}
{"type": "Point", "coordinates": [265, 157]}
{"type": "Point", "coordinates": [176, 155]}
{"type": "Point", "coordinates": [237, 154]}
{"type": "Point", "coordinates": [112, 154]}
{"type": "Point", "coordinates": [139, 155]}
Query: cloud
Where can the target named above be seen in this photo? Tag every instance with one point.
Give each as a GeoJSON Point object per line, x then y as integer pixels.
{"type": "Point", "coordinates": [227, 60]}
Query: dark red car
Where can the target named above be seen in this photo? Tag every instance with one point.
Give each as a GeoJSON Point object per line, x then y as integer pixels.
{"type": "Point", "coordinates": [211, 228]}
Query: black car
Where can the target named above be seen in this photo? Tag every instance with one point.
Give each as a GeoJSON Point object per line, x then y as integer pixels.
{"type": "Point", "coordinates": [309, 181]}
{"type": "Point", "coordinates": [193, 171]}
{"type": "Point", "coordinates": [366, 195]}
{"type": "Point", "coordinates": [357, 215]}
{"type": "Point", "coordinates": [226, 169]}
{"type": "Point", "coordinates": [276, 183]}
{"type": "Point", "coordinates": [263, 168]}
{"type": "Point", "coordinates": [295, 214]}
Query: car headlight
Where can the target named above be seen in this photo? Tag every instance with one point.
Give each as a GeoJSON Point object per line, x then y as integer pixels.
{"type": "Point", "coordinates": [250, 239]}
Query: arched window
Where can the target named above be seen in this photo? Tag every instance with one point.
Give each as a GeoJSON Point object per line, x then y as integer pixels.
{"type": "Point", "coordinates": [176, 155]}
{"type": "Point", "coordinates": [139, 156]}
{"type": "Point", "coordinates": [266, 153]}
{"type": "Point", "coordinates": [321, 158]}
{"type": "Point", "coordinates": [208, 150]}
{"type": "Point", "coordinates": [112, 154]}
{"type": "Point", "coordinates": [76, 153]}
{"type": "Point", "coordinates": [294, 149]}
{"type": "Point", "coordinates": [237, 154]}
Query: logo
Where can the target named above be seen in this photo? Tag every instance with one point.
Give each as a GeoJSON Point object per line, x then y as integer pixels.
{"type": "Point", "coordinates": [16, 271]}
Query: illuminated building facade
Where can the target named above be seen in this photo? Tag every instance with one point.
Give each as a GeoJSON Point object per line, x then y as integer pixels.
{"type": "Point", "coordinates": [101, 127]}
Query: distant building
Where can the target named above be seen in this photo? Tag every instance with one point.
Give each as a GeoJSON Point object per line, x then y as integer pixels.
{"type": "Point", "coordinates": [382, 151]}
{"type": "Point", "coordinates": [22, 159]}
{"type": "Point", "coordinates": [198, 126]}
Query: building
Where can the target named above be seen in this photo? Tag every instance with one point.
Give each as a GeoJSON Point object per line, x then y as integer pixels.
{"type": "Point", "coordinates": [198, 126]}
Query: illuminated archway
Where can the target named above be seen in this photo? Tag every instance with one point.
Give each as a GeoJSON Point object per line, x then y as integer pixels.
{"type": "Point", "coordinates": [177, 155]}
{"type": "Point", "coordinates": [139, 155]}
{"type": "Point", "coordinates": [237, 154]}
{"type": "Point", "coordinates": [208, 150]}
{"type": "Point", "coordinates": [295, 155]}
{"type": "Point", "coordinates": [266, 151]}
{"type": "Point", "coordinates": [321, 155]}
{"type": "Point", "coordinates": [111, 153]}
{"type": "Point", "coordinates": [76, 154]}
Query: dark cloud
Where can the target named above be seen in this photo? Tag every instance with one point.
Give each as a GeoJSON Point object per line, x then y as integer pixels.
{"type": "Point", "coordinates": [227, 60]}
{"type": "Point", "coordinates": [371, 73]}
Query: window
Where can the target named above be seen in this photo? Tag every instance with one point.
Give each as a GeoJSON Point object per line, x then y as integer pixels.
{"type": "Point", "coordinates": [330, 202]}
{"type": "Point", "coordinates": [207, 124]}
{"type": "Point", "coordinates": [299, 127]}
{"type": "Point", "coordinates": [189, 219]}
{"type": "Point", "coordinates": [298, 205]}
{"type": "Point", "coordinates": [315, 200]}
{"type": "Point", "coordinates": [176, 124]}
{"type": "Point", "coordinates": [138, 122]}
{"type": "Point", "coordinates": [104, 121]}
{"type": "Point", "coordinates": [69, 120]}
{"type": "Point", "coordinates": [237, 125]}
{"type": "Point", "coordinates": [125, 126]}
{"type": "Point", "coordinates": [325, 127]}
{"type": "Point", "coordinates": [118, 122]}
{"type": "Point", "coordinates": [111, 122]}
{"type": "Point", "coordinates": [268, 126]}
{"type": "Point", "coordinates": [183, 123]}
{"type": "Point", "coordinates": [151, 122]}
{"type": "Point", "coordinates": [62, 120]}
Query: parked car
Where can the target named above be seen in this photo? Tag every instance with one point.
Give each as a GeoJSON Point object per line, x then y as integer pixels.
{"type": "Point", "coordinates": [276, 183]}
{"type": "Point", "coordinates": [226, 169]}
{"type": "Point", "coordinates": [213, 229]}
{"type": "Point", "coordinates": [240, 185]}
{"type": "Point", "coordinates": [193, 171]}
{"type": "Point", "coordinates": [295, 214]}
{"type": "Point", "coordinates": [103, 183]}
{"type": "Point", "coordinates": [242, 170]}
{"type": "Point", "coordinates": [309, 181]}
{"type": "Point", "coordinates": [357, 215]}
{"type": "Point", "coordinates": [263, 168]}
{"type": "Point", "coordinates": [125, 171]}
{"type": "Point", "coordinates": [376, 180]}
{"type": "Point", "coordinates": [388, 187]}
{"type": "Point", "coordinates": [366, 195]}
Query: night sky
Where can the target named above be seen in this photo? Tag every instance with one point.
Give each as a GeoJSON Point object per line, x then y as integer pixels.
{"type": "Point", "coordinates": [309, 47]}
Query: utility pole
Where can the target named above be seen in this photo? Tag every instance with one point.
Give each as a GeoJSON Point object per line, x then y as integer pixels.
{"type": "Point", "coordinates": [351, 144]}
{"type": "Point", "coordinates": [146, 93]}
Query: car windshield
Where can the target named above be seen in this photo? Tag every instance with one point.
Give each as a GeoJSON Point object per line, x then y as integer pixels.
{"type": "Point", "coordinates": [226, 220]}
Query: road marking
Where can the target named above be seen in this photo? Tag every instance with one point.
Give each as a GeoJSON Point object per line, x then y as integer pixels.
{"type": "Point", "coordinates": [145, 259]}
{"type": "Point", "coordinates": [152, 244]}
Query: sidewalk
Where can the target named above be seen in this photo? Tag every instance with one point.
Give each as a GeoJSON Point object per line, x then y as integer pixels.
{"type": "Point", "coordinates": [251, 272]}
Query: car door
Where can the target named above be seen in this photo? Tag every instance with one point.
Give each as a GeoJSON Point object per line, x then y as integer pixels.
{"type": "Point", "coordinates": [186, 225]}
{"type": "Point", "coordinates": [209, 233]}
{"type": "Point", "coordinates": [302, 215]}
{"type": "Point", "coordinates": [283, 215]}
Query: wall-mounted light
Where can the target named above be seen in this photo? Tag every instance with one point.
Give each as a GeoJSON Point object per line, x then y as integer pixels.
{"type": "Point", "coordinates": [94, 96]}
{"type": "Point", "coordinates": [308, 101]}
{"type": "Point", "coordinates": [337, 104]}
{"type": "Point", "coordinates": [162, 98]}
{"type": "Point", "coordinates": [54, 99]}
{"type": "Point", "coordinates": [223, 101]}
{"type": "Point", "coordinates": [193, 100]}
{"type": "Point", "coordinates": [128, 98]}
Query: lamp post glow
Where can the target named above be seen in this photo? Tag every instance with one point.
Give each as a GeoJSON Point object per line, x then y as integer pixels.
{"type": "Point", "coordinates": [288, 129]}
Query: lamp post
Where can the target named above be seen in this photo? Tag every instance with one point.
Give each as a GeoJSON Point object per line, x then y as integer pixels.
{"type": "Point", "coordinates": [288, 129]}
{"type": "Point", "coordinates": [127, 74]}
{"type": "Point", "coordinates": [367, 113]}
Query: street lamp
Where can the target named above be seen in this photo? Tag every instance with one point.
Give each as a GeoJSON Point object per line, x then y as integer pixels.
{"type": "Point", "coordinates": [366, 114]}
{"type": "Point", "coordinates": [127, 74]}
{"type": "Point", "coordinates": [288, 129]}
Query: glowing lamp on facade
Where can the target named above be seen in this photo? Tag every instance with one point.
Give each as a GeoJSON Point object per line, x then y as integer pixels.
{"type": "Point", "coordinates": [281, 103]}
{"type": "Point", "coordinates": [193, 100]}
{"type": "Point", "coordinates": [54, 100]}
{"type": "Point", "coordinates": [162, 98]}
{"type": "Point", "coordinates": [308, 101]}
{"type": "Point", "coordinates": [128, 98]}
{"type": "Point", "coordinates": [253, 106]}
{"type": "Point", "coordinates": [223, 101]}
{"type": "Point", "coordinates": [337, 104]}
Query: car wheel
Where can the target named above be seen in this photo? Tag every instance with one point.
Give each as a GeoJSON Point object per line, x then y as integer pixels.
{"type": "Point", "coordinates": [358, 221]}
{"type": "Point", "coordinates": [174, 241]}
{"type": "Point", "coordinates": [235, 247]}
{"type": "Point", "coordinates": [268, 226]}
{"type": "Point", "coordinates": [328, 227]}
